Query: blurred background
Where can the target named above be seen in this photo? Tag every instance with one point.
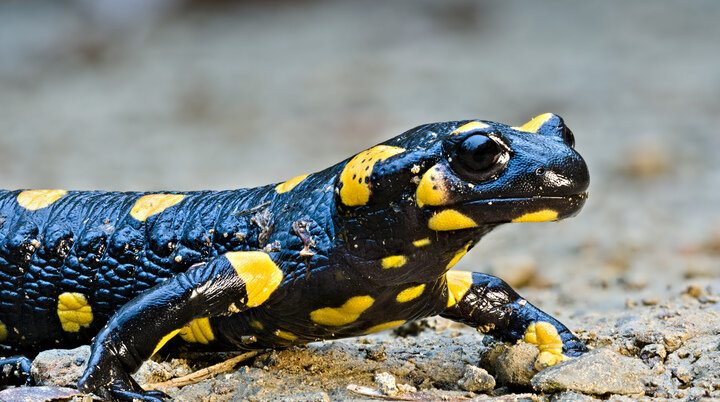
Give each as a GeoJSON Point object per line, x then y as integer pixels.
{"type": "Point", "coordinates": [184, 95]}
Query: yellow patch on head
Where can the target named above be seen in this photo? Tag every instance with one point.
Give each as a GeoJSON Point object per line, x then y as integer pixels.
{"type": "Point", "coordinates": [38, 199]}
{"type": "Point", "coordinates": [384, 326]}
{"type": "Point", "coordinates": [473, 125]}
{"type": "Point", "coordinates": [422, 242]}
{"type": "Point", "coordinates": [410, 293]}
{"type": "Point", "coordinates": [458, 283]}
{"type": "Point", "coordinates": [545, 336]}
{"type": "Point", "coordinates": [450, 219]}
{"type": "Point", "coordinates": [394, 261]}
{"type": "Point", "coordinates": [460, 254]}
{"type": "Point", "coordinates": [260, 274]}
{"type": "Point", "coordinates": [534, 125]}
{"type": "Point", "coordinates": [355, 176]}
{"type": "Point", "coordinates": [345, 314]}
{"type": "Point", "coordinates": [288, 336]}
{"type": "Point", "coordinates": [3, 331]}
{"type": "Point", "coordinates": [152, 204]}
{"type": "Point", "coordinates": [290, 184]}
{"type": "Point", "coordinates": [165, 339]}
{"type": "Point", "coordinates": [74, 311]}
{"type": "Point", "coordinates": [198, 331]}
{"type": "Point", "coordinates": [539, 216]}
{"type": "Point", "coordinates": [432, 189]}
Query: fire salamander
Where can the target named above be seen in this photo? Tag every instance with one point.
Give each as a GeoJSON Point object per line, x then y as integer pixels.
{"type": "Point", "coordinates": [363, 246]}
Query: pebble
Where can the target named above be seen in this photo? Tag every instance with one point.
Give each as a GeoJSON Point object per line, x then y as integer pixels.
{"type": "Point", "coordinates": [386, 383]}
{"type": "Point", "coordinates": [476, 379]}
{"type": "Point", "coordinates": [598, 372]}
{"type": "Point", "coordinates": [58, 367]}
{"type": "Point", "coordinates": [516, 366]}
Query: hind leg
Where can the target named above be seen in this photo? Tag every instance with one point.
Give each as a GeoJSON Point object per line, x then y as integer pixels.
{"type": "Point", "coordinates": [493, 307]}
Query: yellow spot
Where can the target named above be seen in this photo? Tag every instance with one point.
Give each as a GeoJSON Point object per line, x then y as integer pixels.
{"type": "Point", "coordinates": [285, 335]}
{"type": "Point", "coordinates": [539, 216]}
{"type": "Point", "coordinates": [165, 339]}
{"type": "Point", "coordinates": [152, 204]}
{"type": "Point", "coordinates": [394, 261]}
{"type": "Point", "coordinates": [422, 242]}
{"type": "Point", "coordinates": [74, 311]}
{"type": "Point", "coordinates": [534, 125]}
{"type": "Point", "coordinates": [290, 184]}
{"type": "Point", "coordinates": [384, 326]}
{"type": "Point", "coordinates": [345, 314]}
{"type": "Point", "coordinates": [410, 293]}
{"type": "Point", "coordinates": [432, 189]}
{"type": "Point", "coordinates": [260, 274]}
{"type": "Point", "coordinates": [458, 283]}
{"type": "Point", "coordinates": [545, 336]}
{"type": "Point", "coordinates": [198, 331]}
{"type": "Point", "coordinates": [460, 254]}
{"type": "Point", "coordinates": [355, 189]}
{"type": "Point", "coordinates": [3, 331]}
{"type": "Point", "coordinates": [257, 325]}
{"type": "Point", "coordinates": [473, 125]}
{"type": "Point", "coordinates": [450, 219]}
{"type": "Point", "coordinates": [37, 199]}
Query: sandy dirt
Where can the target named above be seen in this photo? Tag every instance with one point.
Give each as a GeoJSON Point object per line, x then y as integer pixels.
{"type": "Point", "coordinates": [201, 97]}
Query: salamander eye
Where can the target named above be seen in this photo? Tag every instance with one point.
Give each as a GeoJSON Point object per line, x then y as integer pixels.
{"type": "Point", "coordinates": [479, 158]}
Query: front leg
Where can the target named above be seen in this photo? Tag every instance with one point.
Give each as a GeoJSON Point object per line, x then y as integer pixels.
{"type": "Point", "coordinates": [493, 307]}
{"type": "Point", "coordinates": [227, 284]}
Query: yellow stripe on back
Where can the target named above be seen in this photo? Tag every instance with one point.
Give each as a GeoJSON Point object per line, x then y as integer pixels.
{"type": "Point", "coordinates": [539, 216]}
{"type": "Point", "coordinates": [259, 272]}
{"type": "Point", "coordinates": [33, 200]}
{"type": "Point", "coordinates": [384, 326]}
{"type": "Point", "coordinates": [450, 219]}
{"type": "Point", "coordinates": [458, 283]}
{"type": "Point", "coordinates": [355, 176]}
{"type": "Point", "coordinates": [198, 331]}
{"type": "Point", "coordinates": [290, 184]}
{"type": "Point", "coordinates": [534, 125]}
{"type": "Point", "coordinates": [410, 293]}
{"type": "Point", "coordinates": [473, 125]}
{"type": "Point", "coordinates": [74, 311]}
{"type": "Point", "coordinates": [345, 314]}
{"type": "Point", "coordinates": [152, 204]}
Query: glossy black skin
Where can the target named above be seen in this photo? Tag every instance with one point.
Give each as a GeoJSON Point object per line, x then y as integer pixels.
{"type": "Point", "coordinates": [88, 243]}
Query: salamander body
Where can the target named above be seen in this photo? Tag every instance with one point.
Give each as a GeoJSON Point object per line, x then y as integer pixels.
{"type": "Point", "coordinates": [363, 246]}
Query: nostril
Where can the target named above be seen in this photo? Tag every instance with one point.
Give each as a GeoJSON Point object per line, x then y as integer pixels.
{"type": "Point", "coordinates": [540, 171]}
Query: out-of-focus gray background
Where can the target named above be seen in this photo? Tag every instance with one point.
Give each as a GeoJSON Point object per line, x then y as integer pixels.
{"type": "Point", "coordinates": [157, 94]}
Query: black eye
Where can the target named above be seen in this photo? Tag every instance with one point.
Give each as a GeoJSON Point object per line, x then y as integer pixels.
{"type": "Point", "coordinates": [568, 137]}
{"type": "Point", "coordinates": [479, 158]}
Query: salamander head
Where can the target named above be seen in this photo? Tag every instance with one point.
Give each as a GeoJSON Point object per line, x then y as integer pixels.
{"type": "Point", "coordinates": [452, 182]}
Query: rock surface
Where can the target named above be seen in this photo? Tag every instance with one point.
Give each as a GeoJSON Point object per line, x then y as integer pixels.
{"type": "Point", "coordinates": [598, 372]}
{"type": "Point", "coordinates": [476, 379]}
{"type": "Point", "coordinates": [59, 367]}
{"type": "Point", "coordinates": [516, 365]}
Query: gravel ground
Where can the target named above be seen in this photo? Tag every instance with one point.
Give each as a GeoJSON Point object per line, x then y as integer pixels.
{"type": "Point", "coordinates": [201, 97]}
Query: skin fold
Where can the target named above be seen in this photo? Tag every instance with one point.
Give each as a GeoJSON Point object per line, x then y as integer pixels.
{"type": "Point", "coordinates": [363, 246]}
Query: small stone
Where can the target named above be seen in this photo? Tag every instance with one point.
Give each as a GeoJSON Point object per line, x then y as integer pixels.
{"type": "Point", "coordinates": [386, 382]}
{"type": "Point", "coordinates": [404, 388]}
{"type": "Point", "coordinates": [652, 352]}
{"type": "Point", "coordinates": [694, 291]}
{"type": "Point", "coordinates": [598, 372]}
{"type": "Point", "coordinates": [571, 396]}
{"type": "Point", "coordinates": [58, 367]}
{"type": "Point", "coordinates": [476, 379]}
{"type": "Point", "coordinates": [516, 366]}
{"type": "Point", "coordinates": [650, 301]}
